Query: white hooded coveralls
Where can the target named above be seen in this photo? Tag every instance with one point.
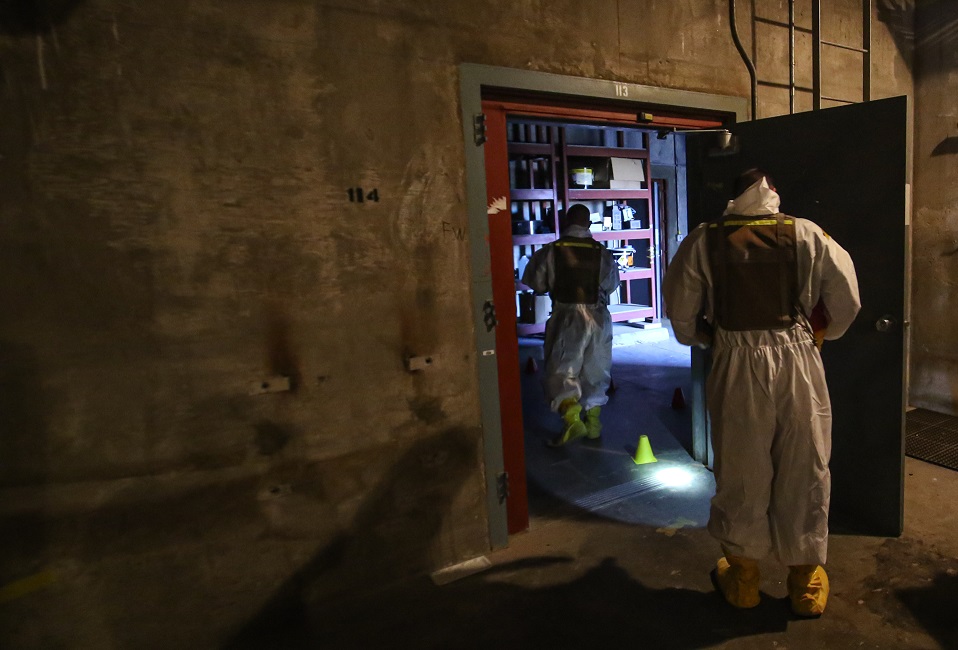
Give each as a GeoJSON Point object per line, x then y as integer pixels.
{"type": "Point", "coordinates": [578, 345]}
{"type": "Point", "coordinates": [767, 398]}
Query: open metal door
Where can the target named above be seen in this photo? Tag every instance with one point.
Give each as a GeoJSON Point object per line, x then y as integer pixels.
{"type": "Point", "coordinates": [845, 169]}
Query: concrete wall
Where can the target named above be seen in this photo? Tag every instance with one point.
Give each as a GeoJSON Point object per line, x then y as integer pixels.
{"type": "Point", "coordinates": [841, 69]}
{"type": "Point", "coordinates": [935, 284]}
{"type": "Point", "coordinates": [175, 229]}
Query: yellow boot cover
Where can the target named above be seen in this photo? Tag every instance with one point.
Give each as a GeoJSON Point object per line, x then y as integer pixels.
{"type": "Point", "coordinates": [738, 579]}
{"type": "Point", "coordinates": [592, 423]}
{"type": "Point", "coordinates": [807, 589]}
{"type": "Point", "coordinates": [574, 427]}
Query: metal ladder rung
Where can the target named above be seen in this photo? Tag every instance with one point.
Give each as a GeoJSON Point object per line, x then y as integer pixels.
{"type": "Point", "coordinates": [784, 86]}
{"type": "Point", "coordinates": [777, 23]}
{"type": "Point", "coordinates": [862, 50]}
{"type": "Point", "coordinates": [817, 43]}
{"type": "Point", "coordinates": [838, 99]}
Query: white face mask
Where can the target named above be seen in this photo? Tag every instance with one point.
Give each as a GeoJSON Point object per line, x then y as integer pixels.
{"type": "Point", "coordinates": [757, 200]}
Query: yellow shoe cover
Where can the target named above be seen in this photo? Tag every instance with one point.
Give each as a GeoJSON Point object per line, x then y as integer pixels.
{"type": "Point", "coordinates": [738, 579]}
{"type": "Point", "coordinates": [574, 427]}
{"type": "Point", "coordinates": [592, 423]}
{"type": "Point", "coordinates": [807, 589]}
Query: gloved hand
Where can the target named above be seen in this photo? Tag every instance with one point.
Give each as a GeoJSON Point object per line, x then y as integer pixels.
{"type": "Point", "coordinates": [819, 323]}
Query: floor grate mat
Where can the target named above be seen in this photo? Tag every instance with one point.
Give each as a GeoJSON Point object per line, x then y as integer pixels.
{"type": "Point", "coordinates": [932, 437]}
{"type": "Point", "coordinates": [602, 498]}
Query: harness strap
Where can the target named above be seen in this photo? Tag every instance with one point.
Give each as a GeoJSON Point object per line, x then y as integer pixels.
{"type": "Point", "coordinates": [783, 285]}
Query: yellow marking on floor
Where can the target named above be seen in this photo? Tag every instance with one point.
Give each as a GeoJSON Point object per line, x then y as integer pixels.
{"type": "Point", "coordinates": [25, 586]}
{"type": "Point", "coordinates": [674, 527]}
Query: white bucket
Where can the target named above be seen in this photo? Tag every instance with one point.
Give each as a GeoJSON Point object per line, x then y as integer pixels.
{"type": "Point", "coordinates": [583, 176]}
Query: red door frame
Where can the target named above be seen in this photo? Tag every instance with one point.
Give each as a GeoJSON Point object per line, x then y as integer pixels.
{"type": "Point", "coordinates": [504, 299]}
{"type": "Point", "coordinates": [502, 270]}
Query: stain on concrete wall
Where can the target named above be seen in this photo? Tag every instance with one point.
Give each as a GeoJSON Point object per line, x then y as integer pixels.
{"type": "Point", "coordinates": [178, 224]}
{"type": "Point", "coordinates": [30, 17]}
{"type": "Point", "coordinates": [934, 378]}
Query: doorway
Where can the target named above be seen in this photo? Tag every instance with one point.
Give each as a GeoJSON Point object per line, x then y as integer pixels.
{"type": "Point", "coordinates": [581, 101]}
{"type": "Point", "coordinates": [550, 161]}
{"type": "Point", "coordinates": [554, 158]}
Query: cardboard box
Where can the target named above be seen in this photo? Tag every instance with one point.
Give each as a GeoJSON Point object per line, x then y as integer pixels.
{"type": "Point", "coordinates": [627, 174]}
{"type": "Point", "coordinates": [626, 185]}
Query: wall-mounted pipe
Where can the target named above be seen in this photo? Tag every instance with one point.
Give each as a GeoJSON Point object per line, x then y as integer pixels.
{"type": "Point", "coordinates": [744, 54]}
{"type": "Point", "coordinates": [791, 57]}
{"type": "Point", "coordinates": [816, 55]}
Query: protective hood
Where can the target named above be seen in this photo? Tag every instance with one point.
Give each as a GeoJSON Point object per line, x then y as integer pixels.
{"type": "Point", "coordinates": [757, 200]}
{"type": "Point", "coordinates": [577, 231]}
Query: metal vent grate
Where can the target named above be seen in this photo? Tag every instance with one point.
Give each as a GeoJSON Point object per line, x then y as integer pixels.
{"type": "Point", "coordinates": [932, 437]}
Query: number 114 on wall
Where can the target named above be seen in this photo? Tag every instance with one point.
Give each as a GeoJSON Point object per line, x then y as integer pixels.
{"type": "Point", "coordinates": [356, 195]}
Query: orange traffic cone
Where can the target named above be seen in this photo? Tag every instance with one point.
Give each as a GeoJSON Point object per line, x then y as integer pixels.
{"type": "Point", "coordinates": [531, 366]}
{"type": "Point", "coordinates": [678, 400]}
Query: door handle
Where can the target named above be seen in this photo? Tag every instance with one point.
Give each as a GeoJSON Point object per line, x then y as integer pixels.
{"type": "Point", "coordinates": [885, 323]}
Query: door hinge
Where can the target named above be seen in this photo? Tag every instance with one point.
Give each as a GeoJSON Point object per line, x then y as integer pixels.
{"type": "Point", "coordinates": [489, 315]}
{"type": "Point", "coordinates": [479, 129]}
{"type": "Point", "coordinates": [502, 487]}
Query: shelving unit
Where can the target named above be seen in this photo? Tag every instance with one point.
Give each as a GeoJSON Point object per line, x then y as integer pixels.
{"type": "Point", "coordinates": [540, 159]}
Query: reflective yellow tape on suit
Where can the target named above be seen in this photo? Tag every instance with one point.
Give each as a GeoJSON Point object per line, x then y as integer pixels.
{"type": "Point", "coordinates": [571, 243]}
{"type": "Point", "coordinates": [754, 222]}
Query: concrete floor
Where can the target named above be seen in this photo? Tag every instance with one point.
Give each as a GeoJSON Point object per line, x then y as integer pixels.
{"type": "Point", "coordinates": [588, 581]}
{"type": "Point", "coordinates": [632, 570]}
{"type": "Point", "coordinates": [599, 476]}
{"type": "Point", "coordinates": [626, 569]}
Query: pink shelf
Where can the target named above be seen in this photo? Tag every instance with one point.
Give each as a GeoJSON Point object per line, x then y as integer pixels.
{"type": "Point", "coordinates": [530, 148]}
{"type": "Point", "coordinates": [635, 274]}
{"type": "Point", "coordinates": [610, 235]}
{"type": "Point", "coordinates": [630, 312]}
{"type": "Point", "coordinates": [604, 152]}
{"type": "Point", "coordinates": [532, 195]}
{"type": "Point", "coordinates": [558, 157]}
{"type": "Point", "coordinates": [608, 195]}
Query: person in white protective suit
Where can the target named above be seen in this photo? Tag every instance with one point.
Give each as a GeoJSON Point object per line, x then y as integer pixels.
{"type": "Point", "coordinates": [579, 273]}
{"type": "Point", "coordinates": [750, 285]}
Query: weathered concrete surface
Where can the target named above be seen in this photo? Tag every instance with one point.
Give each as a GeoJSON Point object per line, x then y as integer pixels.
{"type": "Point", "coordinates": [584, 581]}
{"type": "Point", "coordinates": [934, 379]}
{"type": "Point", "coordinates": [176, 229]}
{"type": "Point", "coordinates": [841, 69]}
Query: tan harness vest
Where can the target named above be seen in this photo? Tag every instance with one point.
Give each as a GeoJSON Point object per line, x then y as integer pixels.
{"type": "Point", "coordinates": [753, 263]}
{"type": "Point", "coordinates": [578, 263]}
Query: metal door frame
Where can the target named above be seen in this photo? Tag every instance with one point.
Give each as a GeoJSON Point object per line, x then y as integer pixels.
{"type": "Point", "coordinates": [473, 79]}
